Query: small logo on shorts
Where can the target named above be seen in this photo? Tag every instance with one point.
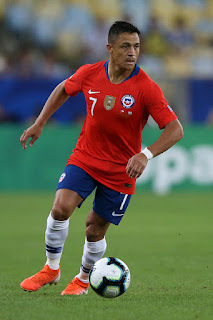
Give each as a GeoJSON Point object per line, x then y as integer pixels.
{"type": "Point", "coordinates": [62, 177]}
{"type": "Point", "coordinates": [117, 214]}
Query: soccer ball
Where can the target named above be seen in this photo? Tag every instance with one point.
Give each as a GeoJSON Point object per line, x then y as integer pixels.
{"type": "Point", "coordinates": [109, 277]}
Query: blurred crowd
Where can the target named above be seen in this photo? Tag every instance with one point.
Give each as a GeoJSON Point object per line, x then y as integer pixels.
{"type": "Point", "coordinates": [54, 37]}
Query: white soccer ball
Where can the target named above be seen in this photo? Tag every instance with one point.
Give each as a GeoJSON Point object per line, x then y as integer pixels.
{"type": "Point", "coordinates": [110, 277]}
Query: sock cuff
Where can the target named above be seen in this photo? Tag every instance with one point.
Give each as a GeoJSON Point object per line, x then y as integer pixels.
{"type": "Point", "coordinates": [56, 224]}
{"type": "Point", "coordinates": [95, 247]}
{"type": "Point", "coordinates": [82, 280]}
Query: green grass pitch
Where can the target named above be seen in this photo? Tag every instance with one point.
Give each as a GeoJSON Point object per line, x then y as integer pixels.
{"type": "Point", "coordinates": [166, 241]}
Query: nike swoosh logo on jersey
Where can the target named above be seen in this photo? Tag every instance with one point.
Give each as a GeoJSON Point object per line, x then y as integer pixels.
{"type": "Point", "coordinates": [92, 92]}
{"type": "Point", "coordinates": [117, 214]}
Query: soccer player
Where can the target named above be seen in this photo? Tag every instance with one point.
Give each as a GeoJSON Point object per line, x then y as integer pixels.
{"type": "Point", "coordinates": [120, 97]}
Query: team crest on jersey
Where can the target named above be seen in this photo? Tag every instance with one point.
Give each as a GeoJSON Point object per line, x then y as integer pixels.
{"type": "Point", "coordinates": [109, 102]}
{"type": "Point", "coordinates": [62, 177]}
{"type": "Point", "coordinates": [128, 101]}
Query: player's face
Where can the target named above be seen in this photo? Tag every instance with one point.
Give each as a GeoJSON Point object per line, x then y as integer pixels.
{"type": "Point", "coordinates": [125, 50]}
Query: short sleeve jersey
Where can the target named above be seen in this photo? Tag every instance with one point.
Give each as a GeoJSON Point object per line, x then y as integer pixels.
{"type": "Point", "coordinates": [116, 116]}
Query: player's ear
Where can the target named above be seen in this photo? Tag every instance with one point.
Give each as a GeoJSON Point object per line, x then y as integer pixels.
{"type": "Point", "coordinates": [109, 48]}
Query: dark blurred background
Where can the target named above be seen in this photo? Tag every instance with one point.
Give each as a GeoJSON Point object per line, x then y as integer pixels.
{"type": "Point", "coordinates": [43, 42]}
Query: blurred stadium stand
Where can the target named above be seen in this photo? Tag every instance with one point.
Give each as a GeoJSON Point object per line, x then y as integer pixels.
{"type": "Point", "coordinates": [43, 42]}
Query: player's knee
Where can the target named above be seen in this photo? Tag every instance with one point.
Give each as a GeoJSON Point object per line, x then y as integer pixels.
{"type": "Point", "coordinates": [94, 232]}
{"type": "Point", "coordinates": [60, 213]}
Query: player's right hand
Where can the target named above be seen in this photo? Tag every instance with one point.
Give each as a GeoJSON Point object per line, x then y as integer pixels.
{"type": "Point", "coordinates": [33, 132]}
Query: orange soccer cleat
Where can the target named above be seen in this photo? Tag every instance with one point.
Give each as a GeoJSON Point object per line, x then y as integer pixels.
{"type": "Point", "coordinates": [38, 280]}
{"type": "Point", "coordinates": [76, 287]}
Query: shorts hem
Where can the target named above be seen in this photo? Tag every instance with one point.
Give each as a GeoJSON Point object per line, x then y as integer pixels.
{"type": "Point", "coordinates": [116, 223]}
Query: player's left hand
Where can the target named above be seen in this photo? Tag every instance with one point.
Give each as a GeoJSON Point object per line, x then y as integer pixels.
{"type": "Point", "coordinates": [136, 165]}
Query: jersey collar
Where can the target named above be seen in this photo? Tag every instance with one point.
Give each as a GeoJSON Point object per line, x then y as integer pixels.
{"type": "Point", "coordinates": [134, 72]}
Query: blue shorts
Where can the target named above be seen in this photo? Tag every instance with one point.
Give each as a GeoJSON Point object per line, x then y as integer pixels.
{"type": "Point", "coordinates": [108, 203]}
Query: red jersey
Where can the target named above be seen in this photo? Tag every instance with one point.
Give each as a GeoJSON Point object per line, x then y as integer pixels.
{"type": "Point", "coordinates": [116, 116]}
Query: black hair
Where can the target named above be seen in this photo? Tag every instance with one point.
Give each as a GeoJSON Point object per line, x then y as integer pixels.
{"type": "Point", "coordinates": [119, 27]}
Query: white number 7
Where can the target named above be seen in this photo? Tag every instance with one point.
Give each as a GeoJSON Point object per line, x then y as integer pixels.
{"type": "Point", "coordinates": [93, 104]}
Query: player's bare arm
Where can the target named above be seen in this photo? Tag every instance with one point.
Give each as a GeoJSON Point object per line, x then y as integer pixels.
{"type": "Point", "coordinates": [53, 103]}
{"type": "Point", "coordinates": [172, 133]}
